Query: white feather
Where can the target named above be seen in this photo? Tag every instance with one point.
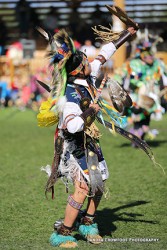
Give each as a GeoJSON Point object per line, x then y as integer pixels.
{"type": "Point", "coordinates": [43, 32]}
{"type": "Point", "coordinates": [47, 169]}
{"type": "Point", "coordinates": [61, 103]}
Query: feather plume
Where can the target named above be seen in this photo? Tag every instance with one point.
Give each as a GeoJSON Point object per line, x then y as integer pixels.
{"type": "Point", "coordinates": [58, 83]}
{"type": "Point", "coordinates": [63, 48]}
{"type": "Point", "coordinates": [43, 33]}
{"type": "Point", "coordinates": [145, 36]}
{"type": "Point", "coordinates": [47, 36]}
{"type": "Point", "coordinates": [61, 103]}
{"type": "Point", "coordinates": [47, 169]}
{"type": "Point", "coordinates": [55, 84]}
{"type": "Point", "coordinates": [62, 37]}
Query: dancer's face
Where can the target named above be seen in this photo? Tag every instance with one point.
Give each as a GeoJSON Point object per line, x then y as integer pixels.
{"type": "Point", "coordinates": [87, 69]}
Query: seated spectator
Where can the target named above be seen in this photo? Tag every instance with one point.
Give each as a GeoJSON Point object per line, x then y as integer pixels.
{"type": "Point", "coordinates": [89, 49]}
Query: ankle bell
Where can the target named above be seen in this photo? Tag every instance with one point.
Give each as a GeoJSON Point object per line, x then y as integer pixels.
{"type": "Point", "coordinates": [65, 231]}
{"type": "Point", "coordinates": [87, 220]}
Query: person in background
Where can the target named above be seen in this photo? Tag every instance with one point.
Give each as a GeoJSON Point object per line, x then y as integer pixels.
{"type": "Point", "coordinates": [3, 37]}
{"type": "Point", "coordinates": [89, 49]}
{"type": "Point", "coordinates": [23, 16]}
{"type": "Point", "coordinates": [145, 78]}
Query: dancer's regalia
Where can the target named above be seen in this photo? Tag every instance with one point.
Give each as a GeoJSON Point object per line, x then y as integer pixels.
{"type": "Point", "coordinates": [78, 156]}
{"type": "Point", "coordinates": [145, 78]}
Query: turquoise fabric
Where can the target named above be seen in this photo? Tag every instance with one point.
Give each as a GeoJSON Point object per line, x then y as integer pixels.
{"type": "Point", "coordinates": [57, 239]}
{"type": "Point", "coordinates": [85, 230]}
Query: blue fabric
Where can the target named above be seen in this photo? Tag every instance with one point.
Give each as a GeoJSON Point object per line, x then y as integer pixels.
{"type": "Point", "coordinates": [57, 239]}
{"type": "Point", "coordinates": [73, 96]}
{"type": "Point", "coordinates": [79, 154]}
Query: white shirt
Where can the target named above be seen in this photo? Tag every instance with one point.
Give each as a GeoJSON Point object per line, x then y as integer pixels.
{"type": "Point", "coordinates": [70, 117]}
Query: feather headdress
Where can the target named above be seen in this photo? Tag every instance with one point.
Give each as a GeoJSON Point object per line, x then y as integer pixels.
{"type": "Point", "coordinates": [61, 49]}
{"type": "Point", "coordinates": [145, 41]}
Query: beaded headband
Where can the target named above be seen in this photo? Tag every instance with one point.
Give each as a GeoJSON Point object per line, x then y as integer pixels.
{"type": "Point", "coordinates": [80, 67]}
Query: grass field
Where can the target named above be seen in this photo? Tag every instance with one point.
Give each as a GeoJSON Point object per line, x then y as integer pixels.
{"type": "Point", "coordinates": [136, 207]}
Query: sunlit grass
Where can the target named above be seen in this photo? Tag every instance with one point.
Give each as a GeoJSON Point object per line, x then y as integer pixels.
{"type": "Point", "coordinates": [136, 203]}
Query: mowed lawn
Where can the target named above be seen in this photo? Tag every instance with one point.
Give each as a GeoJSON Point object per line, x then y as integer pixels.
{"type": "Point", "coordinates": [134, 211]}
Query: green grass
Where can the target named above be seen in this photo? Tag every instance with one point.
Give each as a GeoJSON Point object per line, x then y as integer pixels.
{"type": "Point", "coordinates": [135, 207]}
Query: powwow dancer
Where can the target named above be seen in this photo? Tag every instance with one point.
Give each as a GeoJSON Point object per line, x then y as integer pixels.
{"type": "Point", "coordinates": [74, 104]}
{"type": "Point", "coordinates": [145, 78]}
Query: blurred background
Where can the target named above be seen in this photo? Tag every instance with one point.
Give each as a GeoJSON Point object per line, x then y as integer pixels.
{"type": "Point", "coordinates": [22, 49]}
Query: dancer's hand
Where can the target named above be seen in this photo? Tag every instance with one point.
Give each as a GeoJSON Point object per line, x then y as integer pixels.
{"type": "Point", "coordinates": [132, 30]}
{"type": "Point", "coordinates": [95, 106]}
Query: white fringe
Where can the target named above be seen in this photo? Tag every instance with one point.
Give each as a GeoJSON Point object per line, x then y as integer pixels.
{"type": "Point", "coordinates": [71, 170]}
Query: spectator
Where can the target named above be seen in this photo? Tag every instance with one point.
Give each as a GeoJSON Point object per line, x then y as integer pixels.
{"type": "Point", "coordinates": [23, 17]}
{"type": "Point", "coordinates": [34, 22]}
{"type": "Point", "coordinates": [89, 49]}
{"type": "Point", "coordinates": [3, 37]}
